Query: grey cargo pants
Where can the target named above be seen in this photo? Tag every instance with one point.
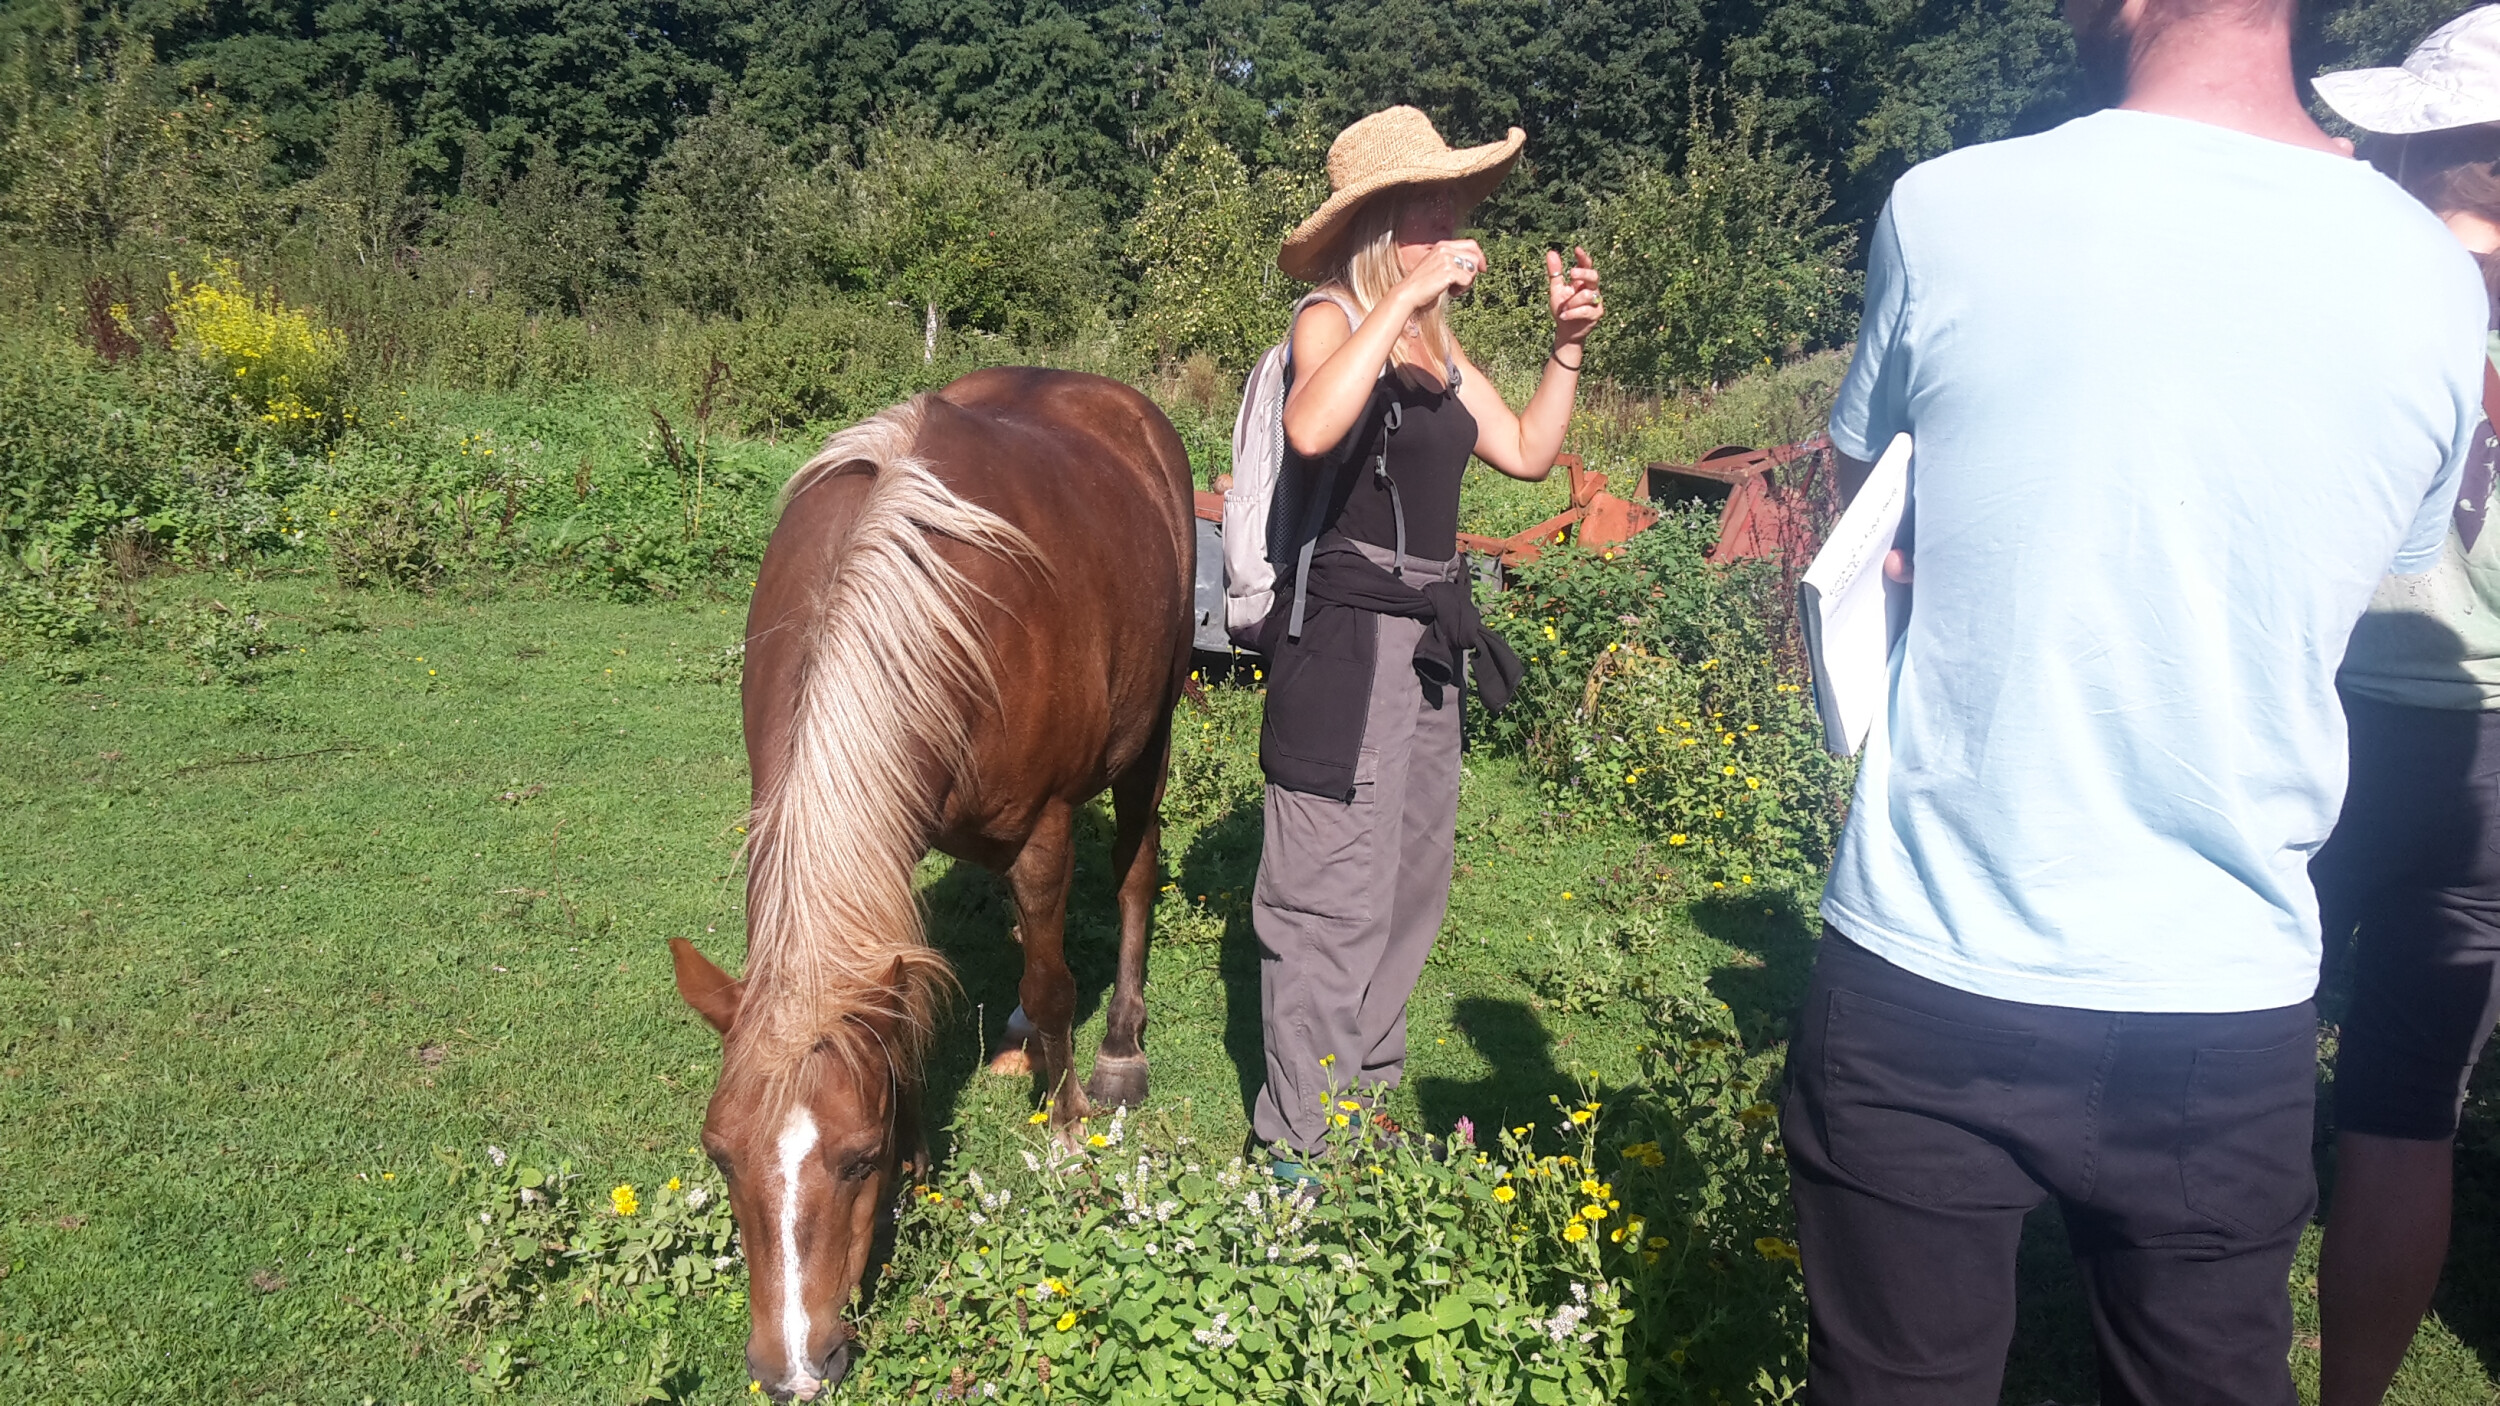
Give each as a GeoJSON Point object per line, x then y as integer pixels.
{"type": "Point", "coordinates": [1351, 894]}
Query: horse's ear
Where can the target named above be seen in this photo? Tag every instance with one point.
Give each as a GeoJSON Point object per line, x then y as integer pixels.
{"type": "Point", "coordinates": [713, 993]}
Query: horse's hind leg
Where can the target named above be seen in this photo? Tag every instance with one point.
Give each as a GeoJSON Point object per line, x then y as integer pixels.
{"type": "Point", "coordinates": [1039, 878]}
{"type": "Point", "coordinates": [1137, 799]}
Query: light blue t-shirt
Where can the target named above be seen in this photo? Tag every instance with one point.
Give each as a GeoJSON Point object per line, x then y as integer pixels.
{"type": "Point", "coordinates": [2179, 397]}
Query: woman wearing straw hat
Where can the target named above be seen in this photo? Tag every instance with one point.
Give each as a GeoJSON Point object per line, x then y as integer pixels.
{"type": "Point", "coordinates": [2409, 884]}
{"type": "Point", "coordinates": [1361, 739]}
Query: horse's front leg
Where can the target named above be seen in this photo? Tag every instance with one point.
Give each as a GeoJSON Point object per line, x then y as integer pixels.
{"type": "Point", "coordinates": [1039, 879]}
{"type": "Point", "coordinates": [1120, 1075]}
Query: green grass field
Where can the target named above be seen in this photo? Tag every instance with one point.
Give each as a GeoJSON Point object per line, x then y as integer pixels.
{"type": "Point", "coordinates": [403, 886]}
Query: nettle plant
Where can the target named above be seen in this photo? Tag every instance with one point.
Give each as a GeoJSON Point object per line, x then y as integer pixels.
{"type": "Point", "coordinates": [1646, 1260]}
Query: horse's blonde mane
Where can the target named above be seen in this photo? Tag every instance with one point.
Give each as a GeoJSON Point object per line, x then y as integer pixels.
{"type": "Point", "coordinates": [894, 664]}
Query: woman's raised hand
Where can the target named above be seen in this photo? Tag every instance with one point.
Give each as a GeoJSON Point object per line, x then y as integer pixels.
{"type": "Point", "coordinates": [1573, 291]}
{"type": "Point", "coordinates": [1449, 267]}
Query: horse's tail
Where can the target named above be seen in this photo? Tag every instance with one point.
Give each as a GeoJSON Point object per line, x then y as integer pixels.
{"type": "Point", "coordinates": [894, 667]}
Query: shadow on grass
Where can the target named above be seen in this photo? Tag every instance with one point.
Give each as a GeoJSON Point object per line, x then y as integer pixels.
{"type": "Point", "coordinates": [1775, 936]}
{"type": "Point", "coordinates": [1519, 1086]}
{"type": "Point", "coordinates": [972, 918]}
{"type": "Point", "coordinates": [1223, 859]}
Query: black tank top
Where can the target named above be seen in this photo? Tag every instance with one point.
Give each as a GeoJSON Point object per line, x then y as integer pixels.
{"type": "Point", "coordinates": [1427, 456]}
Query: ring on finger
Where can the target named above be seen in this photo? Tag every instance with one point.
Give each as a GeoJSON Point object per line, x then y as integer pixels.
{"type": "Point", "coordinates": [1465, 264]}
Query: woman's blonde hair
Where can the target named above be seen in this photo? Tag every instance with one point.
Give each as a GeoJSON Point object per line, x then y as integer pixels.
{"type": "Point", "coordinates": [1371, 269]}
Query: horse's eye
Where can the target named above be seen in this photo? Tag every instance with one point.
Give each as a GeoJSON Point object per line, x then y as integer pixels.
{"type": "Point", "coordinates": [859, 1168]}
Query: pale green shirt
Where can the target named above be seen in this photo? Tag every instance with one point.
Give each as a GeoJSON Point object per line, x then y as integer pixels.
{"type": "Point", "coordinates": [2433, 640]}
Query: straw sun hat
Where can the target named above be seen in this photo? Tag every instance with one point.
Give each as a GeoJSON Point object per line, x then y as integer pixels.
{"type": "Point", "coordinates": [2451, 79]}
{"type": "Point", "coordinates": [1392, 148]}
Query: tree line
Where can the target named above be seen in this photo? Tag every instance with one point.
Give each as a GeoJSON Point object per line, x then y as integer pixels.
{"type": "Point", "coordinates": [1017, 169]}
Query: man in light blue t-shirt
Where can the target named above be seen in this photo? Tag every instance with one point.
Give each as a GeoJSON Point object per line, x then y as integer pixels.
{"type": "Point", "coordinates": [2184, 382]}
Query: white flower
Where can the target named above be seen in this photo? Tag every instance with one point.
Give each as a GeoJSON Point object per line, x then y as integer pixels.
{"type": "Point", "coordinates": [530, 1197]}
{"type": "Point", "coordinates": [723, 1261]}
{"type": "Point", "coordinates": [1215, 1336]}
{"type": "Point", "coordinates": [495, 1154]}
{"type": "Point", "coordinates": [1164, 1210]}
{"type": "Point", "coordinates": [1250, 1201]}
{"type": "Point", "coordinates": [697, 1199]}
{"type": "Point", "coordinates": [1271, 1254]}
{"type": "Point", "coordinates": [1579, 1292]}
{"type": "Point", "coordinates": [978, 1218]}
{"type": "Point", "coordinates": [1566, 1321]}
{"type": "Point", "coordinates": [1032, 1163]}
{"type": "Point", "coordinates": [974, 1178]}
{"type": "Point", "coordinates": [486, 1218]}
{"type": "Point", "coordinates": [1041, 1291]}
{"type": "Point", "coordinates": [1150, 1249]}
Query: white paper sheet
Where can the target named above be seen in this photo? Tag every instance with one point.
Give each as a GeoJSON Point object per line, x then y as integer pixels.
{"type": "Point", "coordinates": [1842, 605]}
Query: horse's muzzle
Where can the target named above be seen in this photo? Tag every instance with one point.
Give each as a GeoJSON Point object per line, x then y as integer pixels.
{"type": "Point", "coordinates": [814, 1386]}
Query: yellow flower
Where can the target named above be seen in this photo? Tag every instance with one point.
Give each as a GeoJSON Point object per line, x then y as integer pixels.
{"type": "Point", "coordinates": [1679, 838]}
{"type": "Point", "coordinates": [936, 1196]}
{"type": "Point", "coordinates": [1581, 1115]}
{"type": "Point", "coordinates": [1615, 1235]}
{"type": "Point", "coordinates": [1575, 1232]}
{"type": "Point", "coordinates": [1349, 1105]}
{"type": "Point", "coordinates": [1038, 1117]}
{"type": "Point", "coordinates": [1657, 1242]}
{"type": "Point", "coordinates": [1771, 1247]}
{"type": "Point", "coordinates": [1727, 771]}
{"type": "Point", "coordinates": [1566, 895]}
{"type": "Point", "coordinates": [1338, 1119]}
{"type": "Point", "coordinates": [390, 1176]}
{"type": "Point", "coordinates": [1753, 783]}
{"type": "Point", "coordinates": [1066, 1321]}
{"type": "Point", "coordinates": [1327, 1060]}
{"type": "Point", "coordinates": [1592, 1212]}
{"type": "Point", "coordinates": [1589, 1187]}
{"type": "Point", "coordinates": [675, 1185]}
{"type": "Point", "coordinates": [1056, 1286]}
{"type": "Point", "coordinates": [1505, 1195]}
{"type": "Point", "coordinates": [1097, 1140]}
{"type": "Point", "coordinates": [624, 1199]}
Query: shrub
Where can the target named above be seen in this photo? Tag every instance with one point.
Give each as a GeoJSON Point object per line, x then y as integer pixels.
{"type": "Point", "coordinates": [705, 226]}
{"type": "Point", "coordinates": [1724, 265]}
{"type": "Point", "coordinates": [827, 361]}
{"type": "Point", "coordinates": [1663, 692]}
{"type": "Point", "coordinates": [1647, 1261]}
{"type": "Point", "coordinates": [1205, 245]}
{"type": "Point", "coordinates": [273, 362]}
{"type": "Point", "coordinates": [958, 235]}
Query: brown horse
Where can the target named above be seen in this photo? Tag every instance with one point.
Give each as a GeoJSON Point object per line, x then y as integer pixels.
{"type": "Point", "coordinates": [973, 617]}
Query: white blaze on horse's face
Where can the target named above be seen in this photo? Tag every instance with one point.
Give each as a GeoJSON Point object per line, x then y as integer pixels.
{"type": "Point", "coordinates": [809, 1184]}
{"type": "Point", "coordinates": [797, 1143]}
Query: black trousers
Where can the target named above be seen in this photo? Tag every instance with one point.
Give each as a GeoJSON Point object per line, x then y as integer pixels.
{"type": "Point", "coordinates": [1923, 1122]}
{"type": "Point", "coordinates": [2409, 895]}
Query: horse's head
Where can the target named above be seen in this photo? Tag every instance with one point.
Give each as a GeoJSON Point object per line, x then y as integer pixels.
{"type": "Point", "coordinates": [811, 1156]}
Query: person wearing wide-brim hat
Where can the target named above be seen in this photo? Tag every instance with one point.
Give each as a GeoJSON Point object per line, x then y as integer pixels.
{"type": "Point", "coordinates": [2409, 883]}
{"type": "Point", "coordinates": [1361, 739]}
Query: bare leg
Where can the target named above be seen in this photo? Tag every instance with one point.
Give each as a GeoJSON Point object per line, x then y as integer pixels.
{"type": "Point", "coordinates": [1120, 1076]}
{"type": "Point", "coordinates": [1039, 878]}
{"type": "Point", "coordinates": [2386, 1237]}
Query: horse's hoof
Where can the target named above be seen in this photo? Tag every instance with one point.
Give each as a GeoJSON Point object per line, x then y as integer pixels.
{"type": "Point", "coordinates": [1012, 1062]}
{"type": "Point", "coordinates": [1118, 1082]}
